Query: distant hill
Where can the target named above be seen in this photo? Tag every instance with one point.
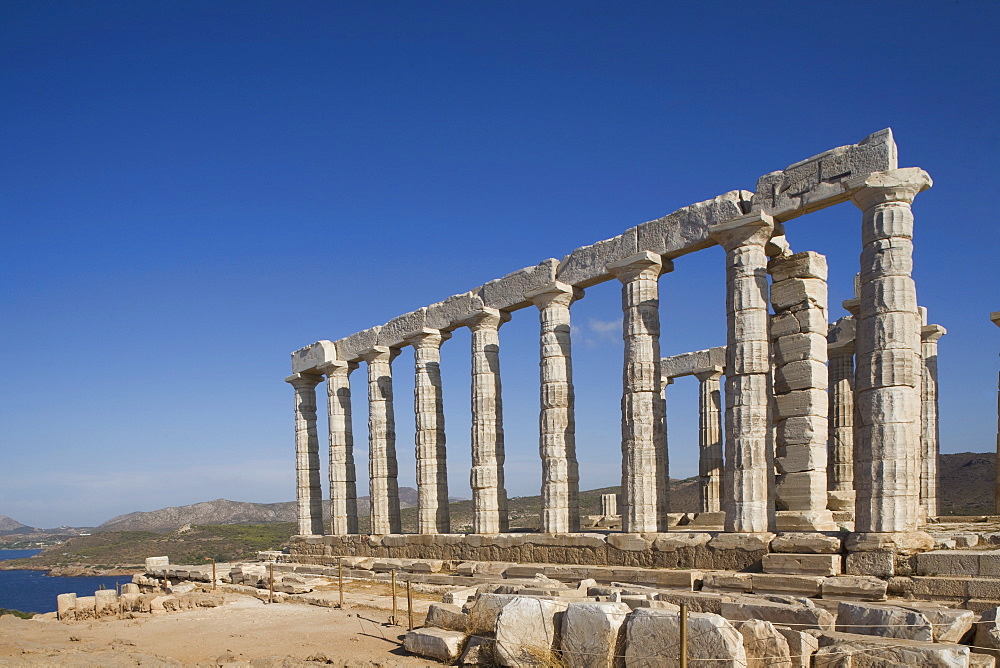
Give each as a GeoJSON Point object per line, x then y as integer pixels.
{"type": "Point", "coordinates": [966, 488]}
{"type": "Point", "coordinates": [966, 483]}
{"type": "Point", "coordinates": [11, 526]}
{"type": "Point", "coordinates": [223, 511]}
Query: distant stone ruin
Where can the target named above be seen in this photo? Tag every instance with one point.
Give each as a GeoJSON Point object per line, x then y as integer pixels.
{"type": "Point", "coordinates": [817, 420]}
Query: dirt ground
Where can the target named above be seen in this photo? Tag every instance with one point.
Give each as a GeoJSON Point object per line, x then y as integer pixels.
{"type": "Point", "coordinates": [243, 632]}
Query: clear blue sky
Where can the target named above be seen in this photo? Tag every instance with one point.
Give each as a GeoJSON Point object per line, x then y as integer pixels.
{"type": "Point", "coordinates": [191, 190]}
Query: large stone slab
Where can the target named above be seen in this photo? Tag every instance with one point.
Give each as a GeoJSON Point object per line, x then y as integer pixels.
{"type": "Point", "coordinates": [801, 644]}
{"type": "Point", "coordinates": [823, 180]}
{"type": "Point", "coordinates": [653, 640]}
{"type": "Point", "coordinates": [588, 265]}
{"type": "Point", "coordinates": [484, 610]}
{"type": "Point", "coordinates": [447, 616]}
{"type": "Point", "coordinates": [527, 630]}
{"type": "Point", "coordinates": [860, 587]}
{"type": "Point", "coordinates": [593, 634]}
{"type": "Point", "coordinates": [440, 644]}
{"type": "Point", "coordinates": [796, 615]}
{"type": "Point", "coordinates": [687, 364]}
{"type": "Point", "coordinates": [510, 292]}
{"type": "Point", "coordinates": [842, 650]}
{"type": "Point", "coordinates": [686, 230]}
{"type": "Point", "coordinates": [806, 543]}
{"type": "Point", "coordinates": [452, 312]}
{"type": "Point", "coordinates": [987, 632]}
{"type": "Point", "coordinates": [802, 564]}
{"type": "Point", "coordinates": [764, 645]}
{"type": "Point", "coordinates": [310, 359]}
{"type": "Point", "coordinates": [887, 621]}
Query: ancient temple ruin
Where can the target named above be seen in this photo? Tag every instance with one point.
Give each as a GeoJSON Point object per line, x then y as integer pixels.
{"type": "Point", "coordinates": [801, 421]}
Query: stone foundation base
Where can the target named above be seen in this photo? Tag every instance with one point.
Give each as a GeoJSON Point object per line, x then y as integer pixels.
{"type": "Point", "coordinates": [680, 549]}
{"type": "Point", "coordinates": [796, 520]}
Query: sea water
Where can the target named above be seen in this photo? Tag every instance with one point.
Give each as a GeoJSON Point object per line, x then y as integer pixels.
{"type": "Point", "coordinates": [34, 591]}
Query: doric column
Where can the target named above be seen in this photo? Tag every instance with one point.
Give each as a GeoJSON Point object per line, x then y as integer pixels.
{"type": "Point", "coordinates": [382, 465]}
{"type": "Point", "coordinates": [995, 317]}
{"type": "Point", "coordinates": [489, 496]}
{"type": "Point", "coordinates": [432, 466]}
{"type": "Point", "coordinates": [887, 377]}
{"type": "Point", "coordinates": [645, 478]}
{"type": "Point", "coordinates": [929, 433]}
{"type": "Point", "coordinates": [798, 342]}
{"type": "Point", "coordinates": [709, 441]}
{"type": "Point", "coordinates": [343, 477]}
{"type": "Point", "coordinates": [840, 470]}
{"type": "Point", "coordinates": [557, 424]}
{"type": "Point", "coordinates": [308, 490]}
{"type": "Point", "coordinates": [748, 368]}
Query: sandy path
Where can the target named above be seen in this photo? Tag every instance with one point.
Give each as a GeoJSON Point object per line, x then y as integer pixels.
{"type": "Point", "coordinates": [242, 631]}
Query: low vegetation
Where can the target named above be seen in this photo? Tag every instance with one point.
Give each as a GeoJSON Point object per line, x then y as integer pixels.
{"type": "Point", "coordinates": [16, 613]}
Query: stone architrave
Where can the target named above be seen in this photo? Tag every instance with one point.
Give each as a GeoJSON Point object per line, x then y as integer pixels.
{"type": "Point", "coordinates": [929, 432]}
{"type": "Point", "coordinates": [645, 478]}
{"type": "Point", "coordinates": [382, 465]}
{"type": "Point", "coordinates": [748, 369]}
{"type": "Point", "coordinates": [887, 380]}
{"type": "Point", "coordinates": [557, 423]}
{"type": "Point", "coordinates": [308, 490]}
{"type": "Point", "coordinates": [799, 341]}
{"type": "Point", "coordinates": [489, 496]}
{"type": "Point", "coordinates": [343, 476]}
{"type": "Point", "coordinates": [995, 317]}
{"type": "Point", "coordinates": [840, 467]}
{"type": "Point", "coordinates": [710, 463]}
{"type": "Point", "coordinates": [428, 406]}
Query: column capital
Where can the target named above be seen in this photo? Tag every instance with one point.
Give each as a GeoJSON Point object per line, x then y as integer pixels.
{"type": "Point", "coordinates": [427, 338]}
{"type": "Point", "coordinates": [752, 229]}
{"type": "Point", "coordinates": [554, 292]}
{"type": "Point", "coordinates": [932, 332]}
{"type": "Point", "coordinates": [840, 338]}
{"type": "Point", "coordinates": [709, 373]}
{"type": "Point", "coordinates": [631, 267]}
{"type": "Point", "coordinates": [304, 381]}
{"type": "Point", "coordinates": [487, 318]}
{"type": "Point", "coordinates": [337, 367]}
{"type": "Point", "coordinates": [379, 354]}
{"type": "Point", "coordinates": [895, 185]}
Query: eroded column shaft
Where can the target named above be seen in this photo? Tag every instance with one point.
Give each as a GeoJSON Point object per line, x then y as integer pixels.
{"type": "Point", "coordinates": [887, 376]}
{"type": "Point", "coordinates": [382, 464]}
{"type": "Point", "coordinates": [840, 473]}
{"type": "Point", "coordinates": [308, 489]}
{"type": "Point", "coordinates": [432, 466]}
{"type": "Point", "coordinates": [489, 496]}
{"type": "Point", "coordinates": [748, 368]}
{"type": "Point", "coordinates": [645, 468]}
{"type": "Point", "coordinates": [557, 424]}
{"type": "Point", "coordinates": [343, 475]}
{"type": "Point", "coordinates": [710, 462]}
{"type": "Point", "coordinates": [929, 431]}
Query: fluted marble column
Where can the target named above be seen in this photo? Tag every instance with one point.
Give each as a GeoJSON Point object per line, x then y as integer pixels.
{"type": "Point", "coordinates": [710, 463]}
{"type": "Point", "coordinates": [308, 490]}
{"type": "Point", "coordinates": [343, 476]}
{"type": "Point", "coordinates": [432, 466]}
{"type": "Point", "coordinates": [840, 471]}
{"type": "Point", "coordinates": [887, 377]}
{"type": "Point", "coordinates": [489, 496]}
{"type": "Point", "coordinates": [748, 368]}
{"type": "Point", "coordinates": [382, 465]}
{"type": "Point", "coordinates": [645, 469]}
{"type": "Point", "coordinates": [929, 433]}
{"type": "Point", "coordinates": [557, 423]}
